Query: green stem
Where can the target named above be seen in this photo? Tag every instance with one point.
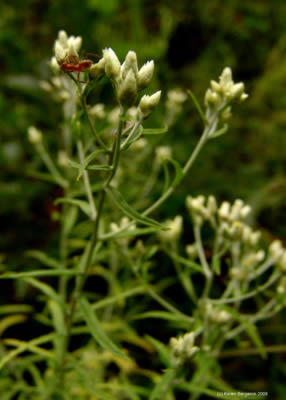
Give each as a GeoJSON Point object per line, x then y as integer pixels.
{"type": "Point", "coordinates": [86, 181]}
{"type": "Point", "coordinates": [97, 137]}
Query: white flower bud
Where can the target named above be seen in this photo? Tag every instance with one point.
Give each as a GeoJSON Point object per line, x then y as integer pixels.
{"type": "Point", "coordinates": [63, 160]}
{"type": "Point", "coordinates": [54, 65]}
{"type": "Point", "coordinates": [175, 229]}
{"type": "Point", "coordinates": [60, 52]}
{"type": "Point", "coordinates": [237, 90]}
{"type": "Point", "coordinates": [145, 75]}
{"type": "Point", "coordinates": [245, 211]}
{"type": "Point", "coordinates": [112, 64]}
{"type": "Point", "coordinates": [281, 288]}
{"type": "Point", "coordinates": [236, 209]}
{"type": "Point", "coordinates": [130, 63]}
{"type": "Point", "coordinates": [226, 76]}
{"type": "Point", "coordinates": [97, 111]}
{"type": "Point", "coordinates": [97, 70]}
{"type": "Point", "coordinates": [63, 38]}
{"type": "Point", "coordinates": [34, 135]}
{"type": "Point", "coordinates": [212, 205]}
{"type": "Point", "coordinates": [139, 144]}
{"type": "Point", "coordinates": [163, 153]}
{"type": "Point", "coordinates": [46, 86]}
{"type": "Point", "coordinates": [276, 249]}
{"type": "Point", "coordinates": [149, 103]}
{"type": "Point", "coordinates": [127, 91]}
{"type": "Point", "coordinates": [192, 250]}
{"type": "Point", "coordinates": [215, 86]}
{"type": "Point", "coordinates": [224, 210]}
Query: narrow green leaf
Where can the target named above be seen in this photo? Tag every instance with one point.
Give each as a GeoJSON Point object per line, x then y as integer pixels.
{"type": "Point", "coordinates": [99, 168]}
{"type": "Point", "coordinates": [15, 308]}
{"type": "Point", "coordinates": [70, 219]}
{"type": "Point", "coordinates": [220, 132]}
{"type": "Point", "coordinates": [97, 331]}
{"type": "Point", "coordinates": [41, 272]}
{"type": "Point", "coordinates": [178, 170]}
{"type": "Point", "coordinates": [198, 107]}
{"type": "Point", "coordinates": [127, 210]}
{"type": "Point", "coordinates": [155, 131]}
{"type": "Point", "coordinates": [163, 385]}
{"type": "Point", "coordinates": [188, 263]}
{"type": "Point", "coordinates": [45, 288]}
{"type": "Point", "coordinates": [82, 204]}
{"type": "Point", "coordinates": [44, 259]}
{"type": "Point", "coordinates": [162, 349]}
{"type": "Point", "coordinates": [159, 315]}
{"type": "Point", "coordinates": [132, 233]}
{"type": "Point", "coordinates": [74, 164]}
{"type": "Point", "coordinates": [253, 333]}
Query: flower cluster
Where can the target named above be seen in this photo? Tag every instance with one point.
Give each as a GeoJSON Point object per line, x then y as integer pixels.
{"type": "Point", "coordinates": [215, 314]}
{"type": "Point", "coordinates": [129, 80]}
{"type": "Point", "coordinates": [224, 91]}
{"type": "Point", "coordinates": [183, 348]}
{"type": "Point", "coordinates": [66, 48]}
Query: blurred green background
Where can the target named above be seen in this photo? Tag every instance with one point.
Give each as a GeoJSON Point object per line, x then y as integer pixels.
{"type": "Point", "coordinates": [191, 42]}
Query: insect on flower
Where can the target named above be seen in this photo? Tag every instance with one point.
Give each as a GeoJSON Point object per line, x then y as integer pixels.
{"type": "Point", "coordinates": [72, 63]}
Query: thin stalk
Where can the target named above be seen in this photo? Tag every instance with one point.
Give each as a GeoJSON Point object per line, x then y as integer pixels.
{"type": "Point", "coordinates": [93, 130]}
{"type": "Point", "coordinates": [86, 181]}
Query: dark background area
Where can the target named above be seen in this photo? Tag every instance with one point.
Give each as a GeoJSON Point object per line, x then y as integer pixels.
{"type": "Point", "coordinates": [190, 42]}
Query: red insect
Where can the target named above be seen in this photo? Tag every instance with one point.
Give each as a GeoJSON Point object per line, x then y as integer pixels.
{"type": "Point", "coordinates": [74, 64]}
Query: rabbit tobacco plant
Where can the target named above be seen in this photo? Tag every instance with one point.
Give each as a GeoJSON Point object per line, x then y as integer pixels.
{"type": "Point", "coordinates": [103, 234]}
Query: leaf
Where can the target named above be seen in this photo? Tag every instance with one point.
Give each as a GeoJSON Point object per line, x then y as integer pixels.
{"type": "Point", "coordinates": [155, 131]}
{"type": "Point", "coordinates": [46, 289]}
{"type": "Point", "coordinates": [253, 333]}
{"type": "Point", "coordinates": [127, 210]}
{"type": "Point", "coordinates": [44, 259]}
{"type": "Point", "coordinates": [69, 220]}
{"type": "Point", "coordinates": [159, 315]}
{"type": "Point", "coordinates": [99, 167]}
{"type": "Point", "coordinates": [163, 385]}
{"type": "Point", "coordinates": [131, 139]}
{"type": "Point", "coordinates": [178, 170]}
{"type": "Point", "coordinates": [41, 272]}
{"type": "Point", "coordinates": [198, 107]}
{"type": "Point", "coordinates": [132, 233]}
{"type": "Point", "coordinates": [163, 350]}
{"type": "Point", "coordinates": [219, 132]}
{"type": "Point", "coordinates": [188, 263]}
{"type": "Point", "coordinates": [97, 331]}
{"type": "Point", "coordinates": [82, 204]}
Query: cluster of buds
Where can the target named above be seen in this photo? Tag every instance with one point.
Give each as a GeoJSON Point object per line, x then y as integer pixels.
{"type": "Point", "coordinates": [228, 217]}
{"type": "Point", "coordinates": [174, 230]}
{"type": "Point", "coordinates": [216, 315]}
{"type": "Point", "coordinates": [247, 264]}
{"type": "Point", "coordinates": [224, 92]}
{"type": "Point", "coordinates": [183, 348]}
{"type": "Point", "coordinates": [202, 209]}
{"type": "Point", "coordinates": [277, 253]}
{"type": "Point", "coordinates": [66, 48]}
{"type": "Point", "coordinates": [174, 104]}
{"type": "Point", "coordinates": [124, 222]}
{"type": "Point", "coordinates": [129, 80]}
